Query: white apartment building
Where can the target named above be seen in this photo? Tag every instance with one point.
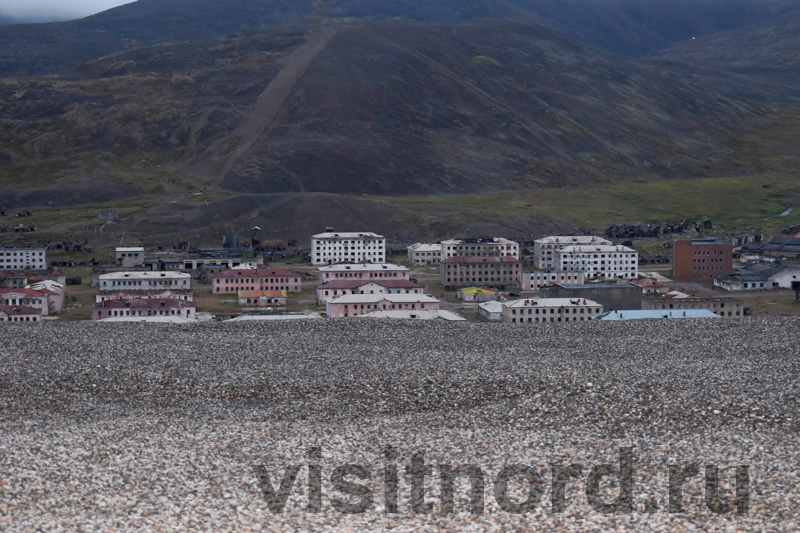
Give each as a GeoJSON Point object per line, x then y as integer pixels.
{"type": "Point", "coordinates": [533, 281]}
{"type": "Point", "coordinates": [540, 310]}
{"type": "Point", "coordinates": [363, 271]}
{"type": "Point", "coordinates": [23, 259]}
{"type": "Point", "coordinates": [329, 248]}
{"type": "Point", "coordinates": [606, 261]}
{"type": "Point", "coordinates": [544, 249]}
{"type": "Point", "coordinates": [126, 281]}
{"type": "Point", "coordinates": [494, 247]}
{"type": "Point", "coordinates": [425, 254]}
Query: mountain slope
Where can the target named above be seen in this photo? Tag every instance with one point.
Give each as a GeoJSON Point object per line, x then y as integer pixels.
{"type": "Point", "coordinates": [627, 27]}
{"type": "Point", "coordinates": [380, 108]}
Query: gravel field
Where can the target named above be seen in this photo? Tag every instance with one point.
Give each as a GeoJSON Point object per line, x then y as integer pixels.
{"type": "Point", "coordinates": [139, 427]}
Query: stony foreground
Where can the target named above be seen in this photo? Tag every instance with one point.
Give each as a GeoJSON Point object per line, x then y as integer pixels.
{"type": "Point", "coordinates": [141, 427]}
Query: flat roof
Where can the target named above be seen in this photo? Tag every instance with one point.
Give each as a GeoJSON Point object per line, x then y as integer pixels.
{"type": "Point", "coordinates": [552, 302]}
{"type": "Point", "coordinates": [361, 267]}
{"type": "Point", "coordinates": [348, 235]}
{"type": "Point", "coordinates": [146, 275]}
{"type": "Point", "coordinates": [265, 318]}
{"type": "Point", "coordinates": [130, 249]}
{"type": "Point", "coordinates": [636, 314]}
{"type": "Point", "coordinates": [588, 248]}
{"type": "Point", "coordinates": [572, 239]}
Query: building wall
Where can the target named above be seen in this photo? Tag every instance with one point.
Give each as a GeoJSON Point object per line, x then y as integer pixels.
{"type": "Point", "coordinates": [23, 258]}
{"type": "Point", "coordinates": [19, 318]}
{"type": "Point", "coordinates": [328, 250]}
{"type": "Point", "coordinates": [476, 248]}
{"type": "Point", "coordinates": [620, 263]}
{"type": "Point", "coordinates": [489, 274]}
{"type": "Point", "coordinates": [130, 257]}
{"type": "Point", "coordinates": [226, 284]}
{"type": "Point", "coordinates": [430, 254]}
{"type": "Point", "coordinates": [544, 250]}
{"type": "Point", "coordinates": [342, 310]}
{"type": "Point", "coordinates": [14, 299]}
{"type": "Point", "coordinates": [378, 274]}
{"type": "Point", "coordinates": [721, 306]}
{"type": "Point", "coordinates": [533, 281]}
{"type": "Point", "coordinates": [616, 297]}
{"type": "Point", "coordinates": [137, 282]}
{"type": "Point", "coordinates": [695, 262]}
{"type": "Point", "coordinates": [100, 313]}
{"type": "Point", "coordinates": [544, 314]}
{"type": "Point", "coordinates": [325, 294]}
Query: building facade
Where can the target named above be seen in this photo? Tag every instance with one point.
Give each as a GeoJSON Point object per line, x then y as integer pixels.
{"type": "Point", "coordinates": [23, 259]}
{"type": "Point", "coordinates": [363, 271]}
{"type": "Point", "coordinates": [533, 281]}
{"type": "Point", "coordinates": [425, 254]}
{"type": "Point", "coordinates": [721, 306]}
{"type": "Point", "coordinates": [262, 298]}
{"type": "Point", "coordinates": [702, 259]}
{"type": "Point", "coordinates": [10, 313]}
{"type": "Point", "coordinates": [480, 247]}
{"type": "Point", "coordinates": [165, 294]}
{"type": "Point", "coordinates": [610, 296]}
{"type": "Point", "coordinates": [329, 248]}
{"type": "Point", "coordinates": [360, 304]}
{"type": "Point", "coordinates": [27, 298]}
{"type": "Point", "coordinates": [251, 279]}
{"type": "Point", "coordinates": [343, 287]}
{"type": "Point", "coordinates": [550, 310]}
{"type": "Point", "coordinates": [130, 256]}
{"type": "Point", "coordinates": [127, 281]}
{"type": "Point", "coordinates": [143, 308]}
{"type": "Point", "coordinates": [759, 276]}
{"type": "Point", "coordinates": [602, 261]}
{"type": "Point", "coordinates": [479, 271]}
{"type": "Point", "coordinates": [544, 249]}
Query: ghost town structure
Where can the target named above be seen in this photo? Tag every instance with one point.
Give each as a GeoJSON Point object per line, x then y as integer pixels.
{"type": "Point", "coordinates": [328, 248]}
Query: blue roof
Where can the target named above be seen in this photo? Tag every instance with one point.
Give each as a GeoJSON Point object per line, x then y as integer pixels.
{"type": "Point", "coordinates": [635, 314]}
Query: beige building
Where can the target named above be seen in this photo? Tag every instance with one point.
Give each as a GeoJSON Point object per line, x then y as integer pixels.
{"type": "Point", "coordinates": [550, 310]}
{"type": "Point", "coordinates": [544, 249]}
{"type": "Point", "coordinates": [131, 256]}
{"type": "Point", "coordinates": [367, 271]}
{"type": "Point", "coordinates": [425, 254]}
{"type": "Point", "coordinates": [533, 281]}
{"type": "Point", "coordinates": [494, 247]}
{"type": "Point", "coordinates": [479, 271]}
{"type": "Point", "coordinates": [145, 281]}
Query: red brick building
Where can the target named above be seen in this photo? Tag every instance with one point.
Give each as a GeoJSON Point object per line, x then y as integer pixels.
{"type": "Point", "coordinates": [702, 259]}
{"type": "Point", "coordinates": [251, 279]}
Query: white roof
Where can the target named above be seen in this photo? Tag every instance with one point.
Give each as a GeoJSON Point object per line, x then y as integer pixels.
{"type": "Point", "coordinates": [552, 302]}
{"type": "Point", "coordinates": [678, 294]}
{"type": "Point", "coordinates": [636, 314]}
{"type": "Point", "coordinates": [496, 240]}
{"type": "Point", "coordinates": [47, 284]}
{"type": "Point", "coordinates": [375, 298]}
{"type": "Point", "coordinates": [151, 319]}
{"type": "Point", "coordinates": [424, 247]}
{"type": "Point", "coordinates": [492, 307]}
{"type": "Point", "coordinates": [350, 235]}
{"type": "Point", "coordinates": [146, 275]}
{"type": "Point", "coordinates": [362, 267]}
{"type": "Point", "coordinates": [592, 248]}
{"type": "Point", "coordinates": [130, 248]}
{"type": "Point", "coordinates": [572, 239]}
{"type": "Point", "coordinates": [408, 314]}
{"type": "Point", "coordinates": [262, 318]}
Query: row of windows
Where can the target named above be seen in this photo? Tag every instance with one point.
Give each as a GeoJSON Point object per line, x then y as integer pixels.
{"type": "Point", "coordinates": [228, 281]}
{"type": "Point", "coordinates": [20, 319]}
{"type": "Point", "coordinates": [561, 310]}
{"type": "Point", "coordinates": [550, 319]}
{"type": "Point", "coordinates": [253, 288]}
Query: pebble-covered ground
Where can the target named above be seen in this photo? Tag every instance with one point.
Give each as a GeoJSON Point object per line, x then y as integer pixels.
{"type": "Point", "coordinates": [137, 427]}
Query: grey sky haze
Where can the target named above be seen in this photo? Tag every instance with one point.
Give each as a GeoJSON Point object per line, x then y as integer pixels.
{"type": "Point", "coordinates": [45, 10]}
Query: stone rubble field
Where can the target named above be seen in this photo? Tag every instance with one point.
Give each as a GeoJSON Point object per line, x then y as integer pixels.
{"type": "Point", "coordinates": [137, 427]}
